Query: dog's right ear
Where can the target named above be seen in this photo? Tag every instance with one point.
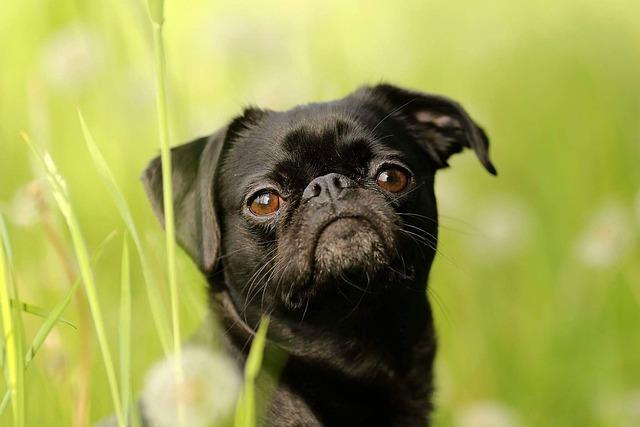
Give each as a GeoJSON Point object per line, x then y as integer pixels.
{"type": "Point", "coordinates": [193, 171]}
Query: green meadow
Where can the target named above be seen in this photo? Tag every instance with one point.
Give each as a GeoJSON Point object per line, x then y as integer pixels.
{"type": "Point", "coordinates": [536, 287]}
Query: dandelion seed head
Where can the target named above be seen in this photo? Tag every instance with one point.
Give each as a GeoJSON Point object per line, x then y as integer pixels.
{"type": "Point", "coordinates": [23, 210]}
{"type": "Point", "coordinates": [450, 194]}
{"type": "Point", "coordinates": [487, 414]}
{"type": "Point", "coordinates": [622, 409]}
{"type": "Point", "coordinates": [71, 58]}
{"type": "Point", "coordinates": [607, 237]}
{"type": "Point", "coordinates": [208, 391]}
{"type": "Point", "coordinates": [504, 226]}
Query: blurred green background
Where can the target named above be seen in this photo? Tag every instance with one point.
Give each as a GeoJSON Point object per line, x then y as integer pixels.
{"type": "Point", "coordinates": [537, 289]}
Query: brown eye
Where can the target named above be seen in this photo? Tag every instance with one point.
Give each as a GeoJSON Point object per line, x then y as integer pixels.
{"type": "Point", "coordinates": [393, 180]}
{"type": "Point", "coordinates": [265, 203]}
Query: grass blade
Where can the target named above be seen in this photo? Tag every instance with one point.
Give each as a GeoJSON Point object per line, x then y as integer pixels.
{"type": "Point", "coordinates": [246, 407]}
{"type": "Point", "coordinates": [62, 198]}
{"type": "Point", "coordinates": [13, 333]}
{"type": "Point", "coordinates": [155, 301]}
{"type": "Point", "coordinates": [156, 9]}
{"type": "Point", "coordinates": [125, 330]}
{"type": "Point", "coordinates": [54, 318]}
{"type": "Point", "coordinates": [4, 236]}
{"type": "Point", "coordinates": [40, 312]}
{"type": "Point", "coordinates": [5, 401]}
{"type": "Point", "coordinates": [57, 311]}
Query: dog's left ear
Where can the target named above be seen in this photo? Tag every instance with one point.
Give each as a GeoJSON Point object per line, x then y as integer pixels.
{"type": "Point", "coordinates": [193, 170]}
{"type": "Point", "coordinates": [440, 125]}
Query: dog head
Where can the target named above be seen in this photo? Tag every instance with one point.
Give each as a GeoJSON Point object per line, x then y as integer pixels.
{"type": "Point", "coordinates": [299, 206]}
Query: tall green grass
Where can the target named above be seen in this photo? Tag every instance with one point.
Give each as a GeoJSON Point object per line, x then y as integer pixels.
{"type": "Point", "coordinates": [529, 328]}
{"type": "Point", "coordinates": [50, 319]}
{"type": "Point", "coordinates": [156, 14]}
{"type": "Point", "coordinates": [151, 285]}
{"type": "Point", "coordinates": [62, 198]}
{"type": "Point", "coordinates": [125, 333]}
{"type": "Point", "coordinates": [38, 311]}
{"type": "Point", "coordinates": [56, 313]}
{"type": "Point", "coordinates": [13, 332]}
{"type": "Point", "coordinates": [246, 408]}
{"type": "Point", "coordinates": [121, 395]}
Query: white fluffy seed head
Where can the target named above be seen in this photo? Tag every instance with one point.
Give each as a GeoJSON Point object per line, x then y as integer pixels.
{"type": "Point", "coordinates": [487, 414]}
{"type": "Point", "coordinates": [71, 58]}
{"type": "Point", "coordinates": [504, 228]}
{"type": "Point", "coordinates": [208, 392]}
{"type": "Point", "coordinates": [607, 237]}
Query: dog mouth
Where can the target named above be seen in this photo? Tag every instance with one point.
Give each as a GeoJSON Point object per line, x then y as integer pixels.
{"type": "Point", "coordinates": [347, 244]}
{"type": "Point", "coordinates": [332, 251]}
{"type": "Point", "coordinates": [343, 227]}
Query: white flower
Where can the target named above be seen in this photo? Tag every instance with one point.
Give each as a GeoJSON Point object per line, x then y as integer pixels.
{"type": "Point", "coordinates": [450, 194]}
{"type": "Point", "coordinates": [71, 58]}
{"type": "Point", "coordinates": [24, 209]}
{"type": "Point", "coordinates": [208, 392]}
{"type": "Point", "coordinates": [486, 414]}
{"type": "Point", "coordinates": [607, 238]}
{"type": "Point", "coordinates": [53, 341]}
{"type": "Point", "coordinates": [620, 410]}
{"type": "Point", "coordinates": [247, 35]}
{"type": "Point", "coordinates": [56, 360]}
{"type": "Point", "coordinates": [503, 227]}
{"type": "Point", "coordinates": [138, 93]}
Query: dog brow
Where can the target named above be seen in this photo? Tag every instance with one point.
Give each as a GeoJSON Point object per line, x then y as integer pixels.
{"type": "Point", "coordinates": [293, 138]}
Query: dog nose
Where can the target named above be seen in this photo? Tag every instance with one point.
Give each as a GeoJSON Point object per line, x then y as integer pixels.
{"type": "Point", "coordinates": [326, 187]}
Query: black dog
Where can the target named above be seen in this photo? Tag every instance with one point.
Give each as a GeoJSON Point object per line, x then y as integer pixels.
{"type": "Point", "coordinates": [324, 217]}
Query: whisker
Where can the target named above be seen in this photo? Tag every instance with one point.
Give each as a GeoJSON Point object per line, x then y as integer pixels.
{"type": "Point", "coordinates": [376, 140]}
{"type": "Point", "coordinates": [353, 285]}
{"type": "Point", "coordinates": [304, 313]}
{"type": "Point", "coordinates": [435, 221]}
{"type": "Point", "coordinates": [395, 110]}
{"type": "Point", "coordinates": [435, 238]}
{"type": "Point", "coordinates": [429, 243]}
{"type": "Point", "coordinates": [263, 283]}
{"type": "Point", "coordinates": [474, 231]}
{"type": "Point", "coordinates": [440, 303]}
{"type": "Point", "coordinates": [420, 238]}
{"type": "Point", "coordinates": [404, 195]}
{"type": "Point", "coordinates": [269, 275]}
{"type": "Point", "coordinates": [353, 310]}
{"type": "Point", "coordinates": [252, 280]}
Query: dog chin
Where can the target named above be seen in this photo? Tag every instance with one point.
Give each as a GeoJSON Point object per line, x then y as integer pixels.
{"type": "Point", "coordinates": [346, 246]}
{"type": "Point", "coordinates": [345, 249]}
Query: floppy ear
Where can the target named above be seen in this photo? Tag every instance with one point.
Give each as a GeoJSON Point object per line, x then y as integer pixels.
{"type": "Point", "coordinates": [193, 169]}
{"type": "Point", "coordinates": [440, 125]}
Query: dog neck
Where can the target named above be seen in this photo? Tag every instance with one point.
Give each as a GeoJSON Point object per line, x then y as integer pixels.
{"type": "Point", "coordinates": [378, 330]}
{"type": "Point", "coordinates": [385, 353]}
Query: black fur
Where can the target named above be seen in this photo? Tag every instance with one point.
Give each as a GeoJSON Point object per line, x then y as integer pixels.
{"type": "Point", "coordinates": [342, 274]}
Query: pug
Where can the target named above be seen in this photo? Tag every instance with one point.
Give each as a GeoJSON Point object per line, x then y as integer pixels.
{"type": "Point", "coordinates": [324, 218]}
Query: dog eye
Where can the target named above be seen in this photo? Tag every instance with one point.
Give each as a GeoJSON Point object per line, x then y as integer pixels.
{"type": "Point", "coordinates": [393, 179]}
{"type": "Point", "coordinates": [265, 203]}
